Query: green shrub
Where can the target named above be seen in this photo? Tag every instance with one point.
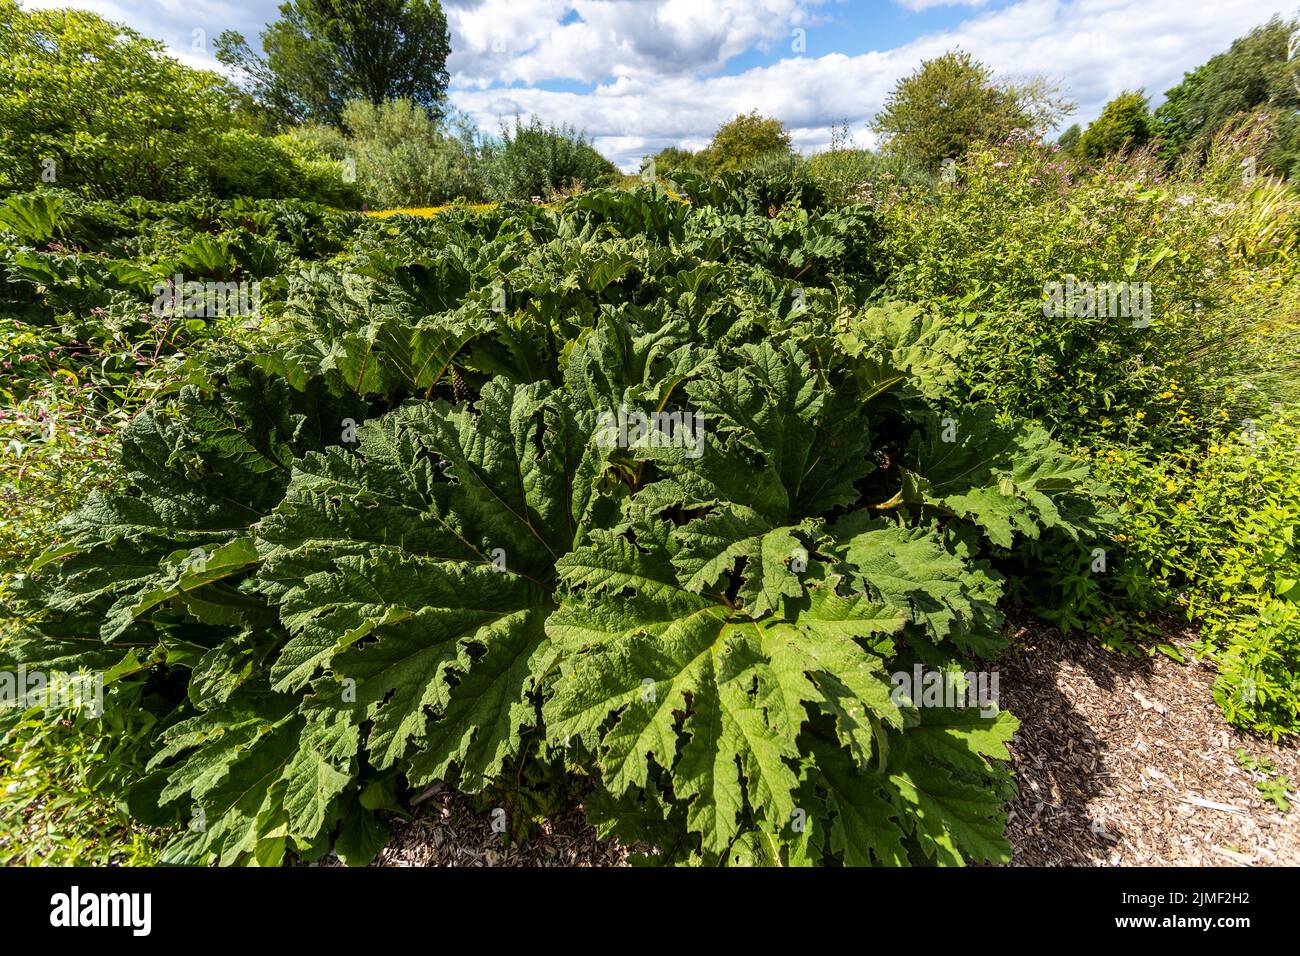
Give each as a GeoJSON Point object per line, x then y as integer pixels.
{"type": "Point", "coordinates": [742, 141]}
{"type": "Point", "coordinates": [1216, 533]}
{"type": "Point", "coordinates": [280, 167]}
{"type": "Point", "coordinates": [536, 160]}
{"type": "Point", "coordinates": [402, 157]}
{"type": "Point", "coordinates": [861, 175]}
{"type": "Point", "coordinates": [93, 106]}
{"type": "Point", "coordinates": [59, 774]}
{"type": "Point", "coordinates": [1018, 217]}
{"type": "Point", "coordinates": [1124, 125]}
{"type": "Point", "coordinates": [672, 160]}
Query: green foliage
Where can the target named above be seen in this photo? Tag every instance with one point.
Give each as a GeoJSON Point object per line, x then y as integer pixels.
{"type": "Point", "coordinates": [534, 159]}
{"type": "Point", "coordinates": [1203, 523]}
{"type": "Point", "coordinates": [1215, 534]}
{"type": "Point", "coordinates": [952, 102]}
{"type": "Point", "coordinates": [402, 157]}
{"type": "Point", "coordinates": [58, 775]}
{"type": "Point", "coordinates": [93, 106]}
{"type": "Point", "coordinates": [320, 54]}
{"type": "Point", "coordinates": [671, 160]}
{"type": "Point", "coordinates": [1017, 220]}
{"type": "Point", "coordinates": [1255, 72]}
{"type": "Point", "coordinates": [279, 167]}
{"type": "Point", "coordinates": [849, 175]}
{"type": "Point", "coordinates": [405, 539]}
{"type": "Point", "coordinates": [1275, 787]}
{"type": "Point", "coordinates": [1124, 124]}
{"type": "Point", "coordinates": [1070, 138]}
{"type": "Point", "coordinates": [741, 140]}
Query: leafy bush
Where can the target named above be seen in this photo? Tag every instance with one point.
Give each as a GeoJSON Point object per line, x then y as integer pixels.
{"type": "Point", "coordinates": [849, 175]}
{"type": "Point", "coordinates": [534, 159]}
{"type": "Point", "coordinates": [1018, 218]}
{"type": "Point", "coordinates": [1124, 125]}
{"type": "Point", "coordinates": [94, 107]}
{"type": "Point", "coordinates": [410, 539]}
{"type": "Point", "coordinates": [59, 772]}
{"type": "Point", "coordinates": [279, 167]}
{"type": "Point", "coordinates": [743, 140]}
{"type": "Point", "coordinates": [1215, 533]}
{"type": "Point", "coordinates": [401, 156]}
{"type": "Point", "coordinates": [100, 108]}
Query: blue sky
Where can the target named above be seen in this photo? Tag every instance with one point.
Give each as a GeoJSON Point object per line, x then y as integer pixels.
{"type": "Point", "coordinates": [638, 75]}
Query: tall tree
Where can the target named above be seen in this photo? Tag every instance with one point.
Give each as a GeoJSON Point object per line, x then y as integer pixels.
{"type": "Point", "coordinates": [1256, 72]}
{"type": "Point", "coordinates": [1070, 138]}
{"type": "Point", "coordinates": [743, 139]}
{"type": "Point", "coordinates": [322, 53]}
{"type": "Point", "coordinates": [1124, 123]}
{"type": "Point", "coordinates": [953, 101]}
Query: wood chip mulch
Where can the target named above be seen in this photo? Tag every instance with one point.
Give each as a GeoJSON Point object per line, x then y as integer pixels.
{"type": "Point", "coordinates": [1119, 760]}
{"type": "Point", "coordinates": [1129, 762]}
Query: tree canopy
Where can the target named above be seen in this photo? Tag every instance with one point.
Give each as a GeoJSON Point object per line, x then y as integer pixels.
{"type": "Point", "coordinates": [743, 139]}
{"type": "Point", "coordinates": [322, 53]}
{"type": "Point", "coordinates": [953, 101]}
{"type": "Point", "coordinates": [1254, 73]}
{"type": "Point", "coordinates": [1124, 124]}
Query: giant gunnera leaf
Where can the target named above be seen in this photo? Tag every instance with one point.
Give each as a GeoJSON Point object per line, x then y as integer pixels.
{"type": "Point", "coordinates": [567, 499]}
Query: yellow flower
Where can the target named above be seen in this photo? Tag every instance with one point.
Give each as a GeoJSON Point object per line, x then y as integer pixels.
{"type": "Point", "coordinates": [1141, 414]}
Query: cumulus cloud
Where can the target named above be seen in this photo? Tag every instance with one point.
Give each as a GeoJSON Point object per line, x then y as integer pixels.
{"type": "Point", "coordinates": [1096, 48]}
{"type": "Point", "coordinates": [532, 41]}
{"type": "Point", "coordinates": [188, 28]}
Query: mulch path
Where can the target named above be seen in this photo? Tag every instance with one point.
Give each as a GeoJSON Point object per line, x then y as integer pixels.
{"type": "Point", "coordinates": [1120, 761]}
{"type": "Point", "coordinates": [1129, 762]}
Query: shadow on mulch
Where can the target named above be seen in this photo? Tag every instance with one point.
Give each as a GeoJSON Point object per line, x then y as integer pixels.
{"type": "Point", "coordinates": [1128, 761]}
{"type": "Point", "coordinates": [1049, 821]}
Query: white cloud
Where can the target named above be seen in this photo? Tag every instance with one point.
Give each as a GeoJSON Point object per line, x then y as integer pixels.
{"type": "Point", "coordinates": [188, 28]}
{"type": "Point", "coordinates": [1096, 48]}
{"type": "Point", "coordinates": [509, 41]}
